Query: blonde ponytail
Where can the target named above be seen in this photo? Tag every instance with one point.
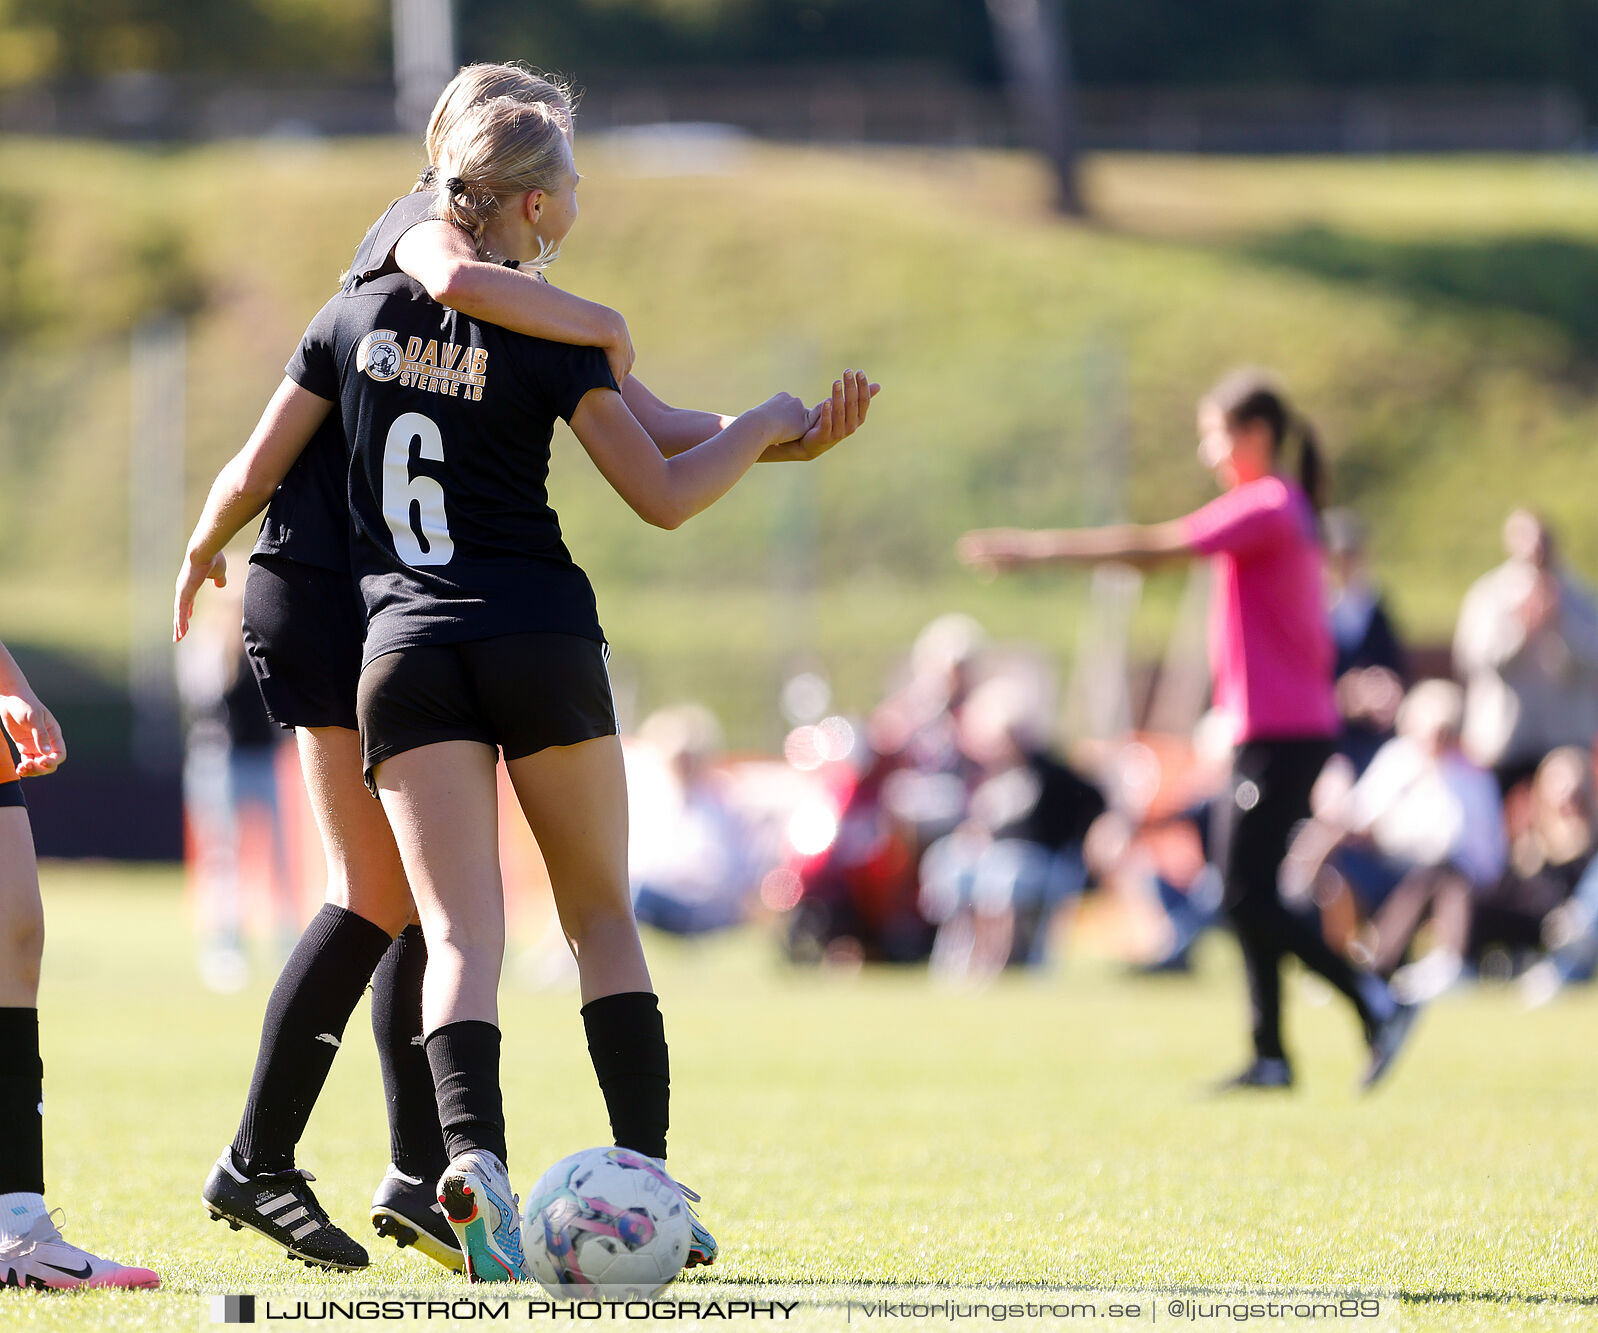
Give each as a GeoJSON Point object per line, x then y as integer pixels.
{"type": "Point", "coordinates": [497, 150]}
{"type": "Point", "coordinates": [465, 206]}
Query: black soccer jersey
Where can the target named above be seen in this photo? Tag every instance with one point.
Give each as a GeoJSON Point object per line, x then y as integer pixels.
{"type": "Point", "coordinates": [374, 256]}
{"type": "Point", "coordinates": [449, 421]}
{"type": "Point", "coordinates": [308, 519]}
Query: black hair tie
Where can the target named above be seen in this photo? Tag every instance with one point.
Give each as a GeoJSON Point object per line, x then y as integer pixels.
{"type": "Point", "coordinates": [455, 185]}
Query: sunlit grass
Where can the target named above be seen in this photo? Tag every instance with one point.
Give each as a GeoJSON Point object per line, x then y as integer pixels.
{"type": "Point", "coordinates": [874, 1128]}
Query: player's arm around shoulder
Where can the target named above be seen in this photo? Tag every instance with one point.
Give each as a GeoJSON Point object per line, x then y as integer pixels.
{"type": "Point", "coordinates": [443, 259]}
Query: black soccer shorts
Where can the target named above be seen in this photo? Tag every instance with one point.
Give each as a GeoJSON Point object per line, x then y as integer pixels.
{"type": "Point", "coordinates": [303, 627]}
{"type": "Point", "coordinates": [520, 692]}
{"type": "Point", "coordinates": [10, 783]}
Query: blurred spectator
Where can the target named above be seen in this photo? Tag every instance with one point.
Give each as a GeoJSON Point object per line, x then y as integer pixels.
{"type": "Point", "coordinates": [1570, 933]}
{"type": "Point", "coordinates": [1191, 898]}
{"type": "Point", "coordinates": [916, 729]}
{"type": "Point", "coordinates": [1422, 830]}
{"type": "Point", "coordinates": [1190, 908]}
{"type": "Point", "coordinates": [1527, 648]}
{"type": "Point", "coordinates": [994, 884]}
{"type": "Point", "coordinates": [857, 894]}
{"type": "Point", "coordinates": [694, 869]}
{"type": "Point", "coordinates": [229, 771]}
{"type": "Point", "coordinates": [851, 868]}
{"type": "Point", "coordinates": [1549, 858]}
{"type": "Point", "coordinates": [1371, 670]}
{"type": "Point", "coordinates": [1563, 916]}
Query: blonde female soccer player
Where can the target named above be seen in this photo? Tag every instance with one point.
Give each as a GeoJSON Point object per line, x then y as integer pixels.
{"type": "Point", "coordinates": [303, 624]}
{"type": "Point", "coordinates": [304, 631]}
{"type": "Point", "coordinates": [32, 1250]}
{"type": "Point", "coordinates": [1271, 661]}
{"type": "Point", "coordinates": [483, 639]}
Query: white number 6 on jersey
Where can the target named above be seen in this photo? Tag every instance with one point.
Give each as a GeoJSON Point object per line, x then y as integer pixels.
{"type": "Point", "coordinates": [413, 507]}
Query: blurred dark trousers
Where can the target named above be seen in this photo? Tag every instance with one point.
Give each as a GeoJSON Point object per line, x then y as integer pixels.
{"type": "Point", "coordinates": [1267, 796]}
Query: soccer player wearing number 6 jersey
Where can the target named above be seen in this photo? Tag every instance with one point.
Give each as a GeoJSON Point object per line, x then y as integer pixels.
{"type": "Point", "coordinates": [483, 639]}
{"type": "Point", "coordinates": [303, 626]}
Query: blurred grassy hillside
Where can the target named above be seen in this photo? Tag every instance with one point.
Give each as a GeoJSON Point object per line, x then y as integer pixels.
{"type": "Point", "coordinates": [1436, 318]}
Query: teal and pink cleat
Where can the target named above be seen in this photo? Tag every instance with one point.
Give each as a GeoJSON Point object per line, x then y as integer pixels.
{"type": "Point", "coordinates": [702, 1247]}
{"type": "Point", "coordinates": [485, 1216]}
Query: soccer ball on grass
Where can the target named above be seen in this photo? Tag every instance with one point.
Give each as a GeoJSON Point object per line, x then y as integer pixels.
{"type": "Point", "coordinates": [607, 1224]}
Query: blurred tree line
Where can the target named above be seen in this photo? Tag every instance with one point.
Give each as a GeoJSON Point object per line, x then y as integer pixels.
{"type": "Point", "coordinates": [44, 39]}
{"type": "Point", "coordinates": [1340, 42]}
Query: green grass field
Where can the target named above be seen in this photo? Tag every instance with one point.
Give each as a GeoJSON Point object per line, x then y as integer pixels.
{"type": "Point", "coordinates": [873, 1129]}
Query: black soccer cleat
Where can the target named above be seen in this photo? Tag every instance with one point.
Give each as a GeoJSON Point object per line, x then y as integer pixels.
{"type": "Point", "coordinates": [280, 1206]}
{"type": "Point", "coordinates": [406, 1210]}
{"type": "Point", "coordinates": [1386, 1041]}
{"type": "Point", "coordinates": [1263, 1073]}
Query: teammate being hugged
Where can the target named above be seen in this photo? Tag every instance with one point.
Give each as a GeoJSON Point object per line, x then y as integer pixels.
{"type": "Point", "coordinates": [483, 638]}
{"type": "Point", "coordinates": [303, 628]}
{"type": "Point", "coordinates": [32, 1251]}
{"type": "Point", "coordinates": [1271, 662]}
{"type": "Point", "coordinates": [303, 623]}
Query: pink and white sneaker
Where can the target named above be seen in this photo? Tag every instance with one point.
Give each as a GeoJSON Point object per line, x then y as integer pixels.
{"type": "Point", "coordinates": [39, 1258]}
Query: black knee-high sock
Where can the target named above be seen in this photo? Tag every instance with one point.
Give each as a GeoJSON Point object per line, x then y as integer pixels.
{"type": "Point", "coordinates": [305, 1018]}
{"type": "Point", "coordinates": [464, 1058]}
{"type": "Point", "coordinates": [415, 1140]}
{"type": "Point", "coordinates": [21, 1097]}
{"type": "Point", "coordinates": [627, 1043]}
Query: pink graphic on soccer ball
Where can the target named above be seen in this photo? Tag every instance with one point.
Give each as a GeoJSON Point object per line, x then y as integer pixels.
{"type": "Point", "coordinates": [637, 1162]}
{"type": "Point", "coordinates": [572, 1220]}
